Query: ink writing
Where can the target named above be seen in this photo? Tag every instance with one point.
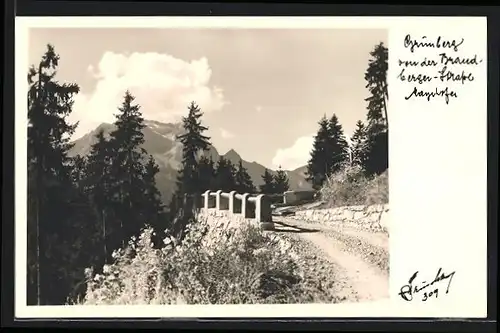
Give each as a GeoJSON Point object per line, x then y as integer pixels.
{"type": "Point", "coordinates": [426, 290]}
{"type": "Point", "coordinates": [428, 95]}
{"type": "Point", "coordinates": [436, 77]}
{"type": "Point", "coordinates": [438, 42]}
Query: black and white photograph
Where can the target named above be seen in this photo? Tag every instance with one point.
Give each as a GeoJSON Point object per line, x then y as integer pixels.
{"type": "Point", "coordinates": [207, 166]}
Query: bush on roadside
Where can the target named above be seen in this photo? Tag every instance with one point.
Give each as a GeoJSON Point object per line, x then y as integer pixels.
{"type": "Point", "coordinates": [235, 266]}
{"type": "Point", "coordinates": [350, 186]}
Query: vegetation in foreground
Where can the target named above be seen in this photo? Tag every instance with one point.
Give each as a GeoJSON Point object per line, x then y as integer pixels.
{"type": "Point", "coordinates": [238, 266]}
{"type": "Point", "coordinates": [351, 186]}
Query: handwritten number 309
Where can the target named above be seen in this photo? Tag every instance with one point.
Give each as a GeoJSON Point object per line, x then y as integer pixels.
{"type": "Point", "coordinates": [430, 294]}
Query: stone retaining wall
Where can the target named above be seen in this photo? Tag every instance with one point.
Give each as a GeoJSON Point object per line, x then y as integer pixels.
{"type": "Point", "coordinates": [371, 218]}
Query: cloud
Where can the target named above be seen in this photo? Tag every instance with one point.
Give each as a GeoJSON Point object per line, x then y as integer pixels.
{"type": "Point", "coordinates": [225, 134]}
{"type": "Point", "coordinates": [163, 86]}
{"type": "Point", "coordinates": [296, 155]}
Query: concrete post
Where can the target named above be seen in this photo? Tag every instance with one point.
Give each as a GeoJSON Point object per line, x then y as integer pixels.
{"type": "Point", "coordinates": [244, 202]}
{"type": "Point", "coordinates": [206, 198]}
{"type": "Point", "coordinates": [258, 208]}
{"type": "Point", "coordinates": [232, 195]}
{"type": "Point", "coordinates": [263, 214]}
{"type": "Point", "coordinates": [286, 196]}
{"type": "Point", "coordinates": [217, 199]}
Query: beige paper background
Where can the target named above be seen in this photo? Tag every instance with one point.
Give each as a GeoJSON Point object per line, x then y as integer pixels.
{"type": "Point", "coordinates": [438, 209]}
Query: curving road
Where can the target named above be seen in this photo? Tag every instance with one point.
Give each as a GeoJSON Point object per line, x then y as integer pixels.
{"type": "Point", "coordinates": [356, 261]}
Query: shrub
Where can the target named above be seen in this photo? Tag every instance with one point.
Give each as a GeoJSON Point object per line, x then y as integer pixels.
{"type": "Point", "coordinates": [235, 266]}
{"type": "Point", "coordinates": [350, 186]}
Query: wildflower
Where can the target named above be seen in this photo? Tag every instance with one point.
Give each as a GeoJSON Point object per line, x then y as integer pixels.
{"type": "Point", "coordinates": [106, 269]}
{"type": "Point", "coordinates": [88, 272]}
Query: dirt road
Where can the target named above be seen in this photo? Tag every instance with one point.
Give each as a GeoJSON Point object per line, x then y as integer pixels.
{"type": "Point", "coordinates": [358, 260]}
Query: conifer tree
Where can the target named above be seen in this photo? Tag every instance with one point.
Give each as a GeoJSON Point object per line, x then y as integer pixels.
{"type": "Point", "coordinates": [377, 157]}
{"type": "Point", "coordinates": [193, 142]}
{"type": "Point", "coordinates": [268, 186]}
{"type": "Point", "coordinates": [281, 183]}
{"type": "Point", "coordinates": [359, 142]}
{"type": "Point", "coordinates": [79, 166]}
{"type": "Point", "coordinates": [377, 154]}
{"type": "Point", "coordinates": [225, 175]}
{"type": "Point", "coordinates": [376, 78]}
{"type": "Point", "coordinates": [126, 167]}
{"type": "Point", "coordinates": [189, 187]}
{"type": "Point", "coordinates": [51, 194]}
{"type": "Point", "coordinates": [153, 207]}
{"type": "Point", "coordinates": [206, 173]}
{"type": "Point", "coordinates": [173, 211]}
{"type": "Point", "coordinates": [337, 146]}
{"type": "Point", "coordinates": [243, 181]}
{"type": "Point", "coordinates": [98, 183]}
{"type": "Point", "coordinates": [318, 164]}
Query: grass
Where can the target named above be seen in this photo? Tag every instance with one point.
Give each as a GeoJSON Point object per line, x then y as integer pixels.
{"type": "Point", "coordinates": [210, 266]}
{"type": "Point", "coordinates": [350, 187]}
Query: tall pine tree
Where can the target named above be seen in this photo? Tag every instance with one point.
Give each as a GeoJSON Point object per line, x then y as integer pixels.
{"type": "Point", "coordinates": [243, 181]}
{"type": "Point", "coordinates": [153, 209]}
{"type": "Point", "coordinates": [281, 183]}
{"type": "Point", "coordinates": [98, 183]}
{"type": "Point", "coordinates": [359, 142]}
{"type": "Point", "coordinates": [153, 203]}
{"type": "Point", "coordinates": [55, 209]}
{"type": "Point", "coordinates": [193, 142]}
{"type": "Point", "coordinates": [189, 187]}
{"type": "Point", "coordinates": [126, 166]}
{"type": "Point", "coordinates": [268, 186]}
{"type": "Point", "coordinates": [338, 147]}
{"type": "Point", "coordinates": [319, 162]}
{"type": "Point", "coordinates": [377, 155]}
{"type": "Point", "coordinates": [376, 82]}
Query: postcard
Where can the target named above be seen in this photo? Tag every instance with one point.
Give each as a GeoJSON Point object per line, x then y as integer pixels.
{"type": "Point", "coordinates": [242, 167]}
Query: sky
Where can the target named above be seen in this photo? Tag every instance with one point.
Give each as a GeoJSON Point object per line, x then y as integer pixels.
{"type": "Point", "coordinates": [262, 91]}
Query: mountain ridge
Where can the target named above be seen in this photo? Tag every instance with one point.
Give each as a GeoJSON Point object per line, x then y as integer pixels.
{"type": "Point", "coordinates": [160, 141]}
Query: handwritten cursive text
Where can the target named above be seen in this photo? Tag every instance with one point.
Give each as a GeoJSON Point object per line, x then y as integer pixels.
{"type": "Point", "coordinates": [446, 93]}
{"type": "Point", "coordinates": [424, 42]}
{"type": "Point", "coordinates": [426, 289]}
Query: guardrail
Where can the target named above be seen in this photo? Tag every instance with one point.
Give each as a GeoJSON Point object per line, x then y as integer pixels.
{"type": "Point", "coordinates": [249, 206]}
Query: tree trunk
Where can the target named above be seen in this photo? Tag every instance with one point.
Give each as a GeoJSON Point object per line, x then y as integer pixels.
{"type": "Point", "coordinates": [39, 169]}
{"type": "Point", "coordinates": [385, 105]}
{"type": "Point", "coordinates": [103, 214]}
{"type": "Point", "coordinates": [37, 218]}
{"type": "Point", "coordinates": [122, 232]}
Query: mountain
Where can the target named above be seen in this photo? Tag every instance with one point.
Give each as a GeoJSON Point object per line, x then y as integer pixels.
{"type": "Point", "coordinates": [256, 170]}
{"type": "Point", "coordinates": [302, 171]}
{"type": "Point", "coordinates": [160, 141]}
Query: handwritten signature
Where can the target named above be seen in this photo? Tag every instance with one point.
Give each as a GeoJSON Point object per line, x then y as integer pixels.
{"type": "Point", "coordinates": [411, 289]}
